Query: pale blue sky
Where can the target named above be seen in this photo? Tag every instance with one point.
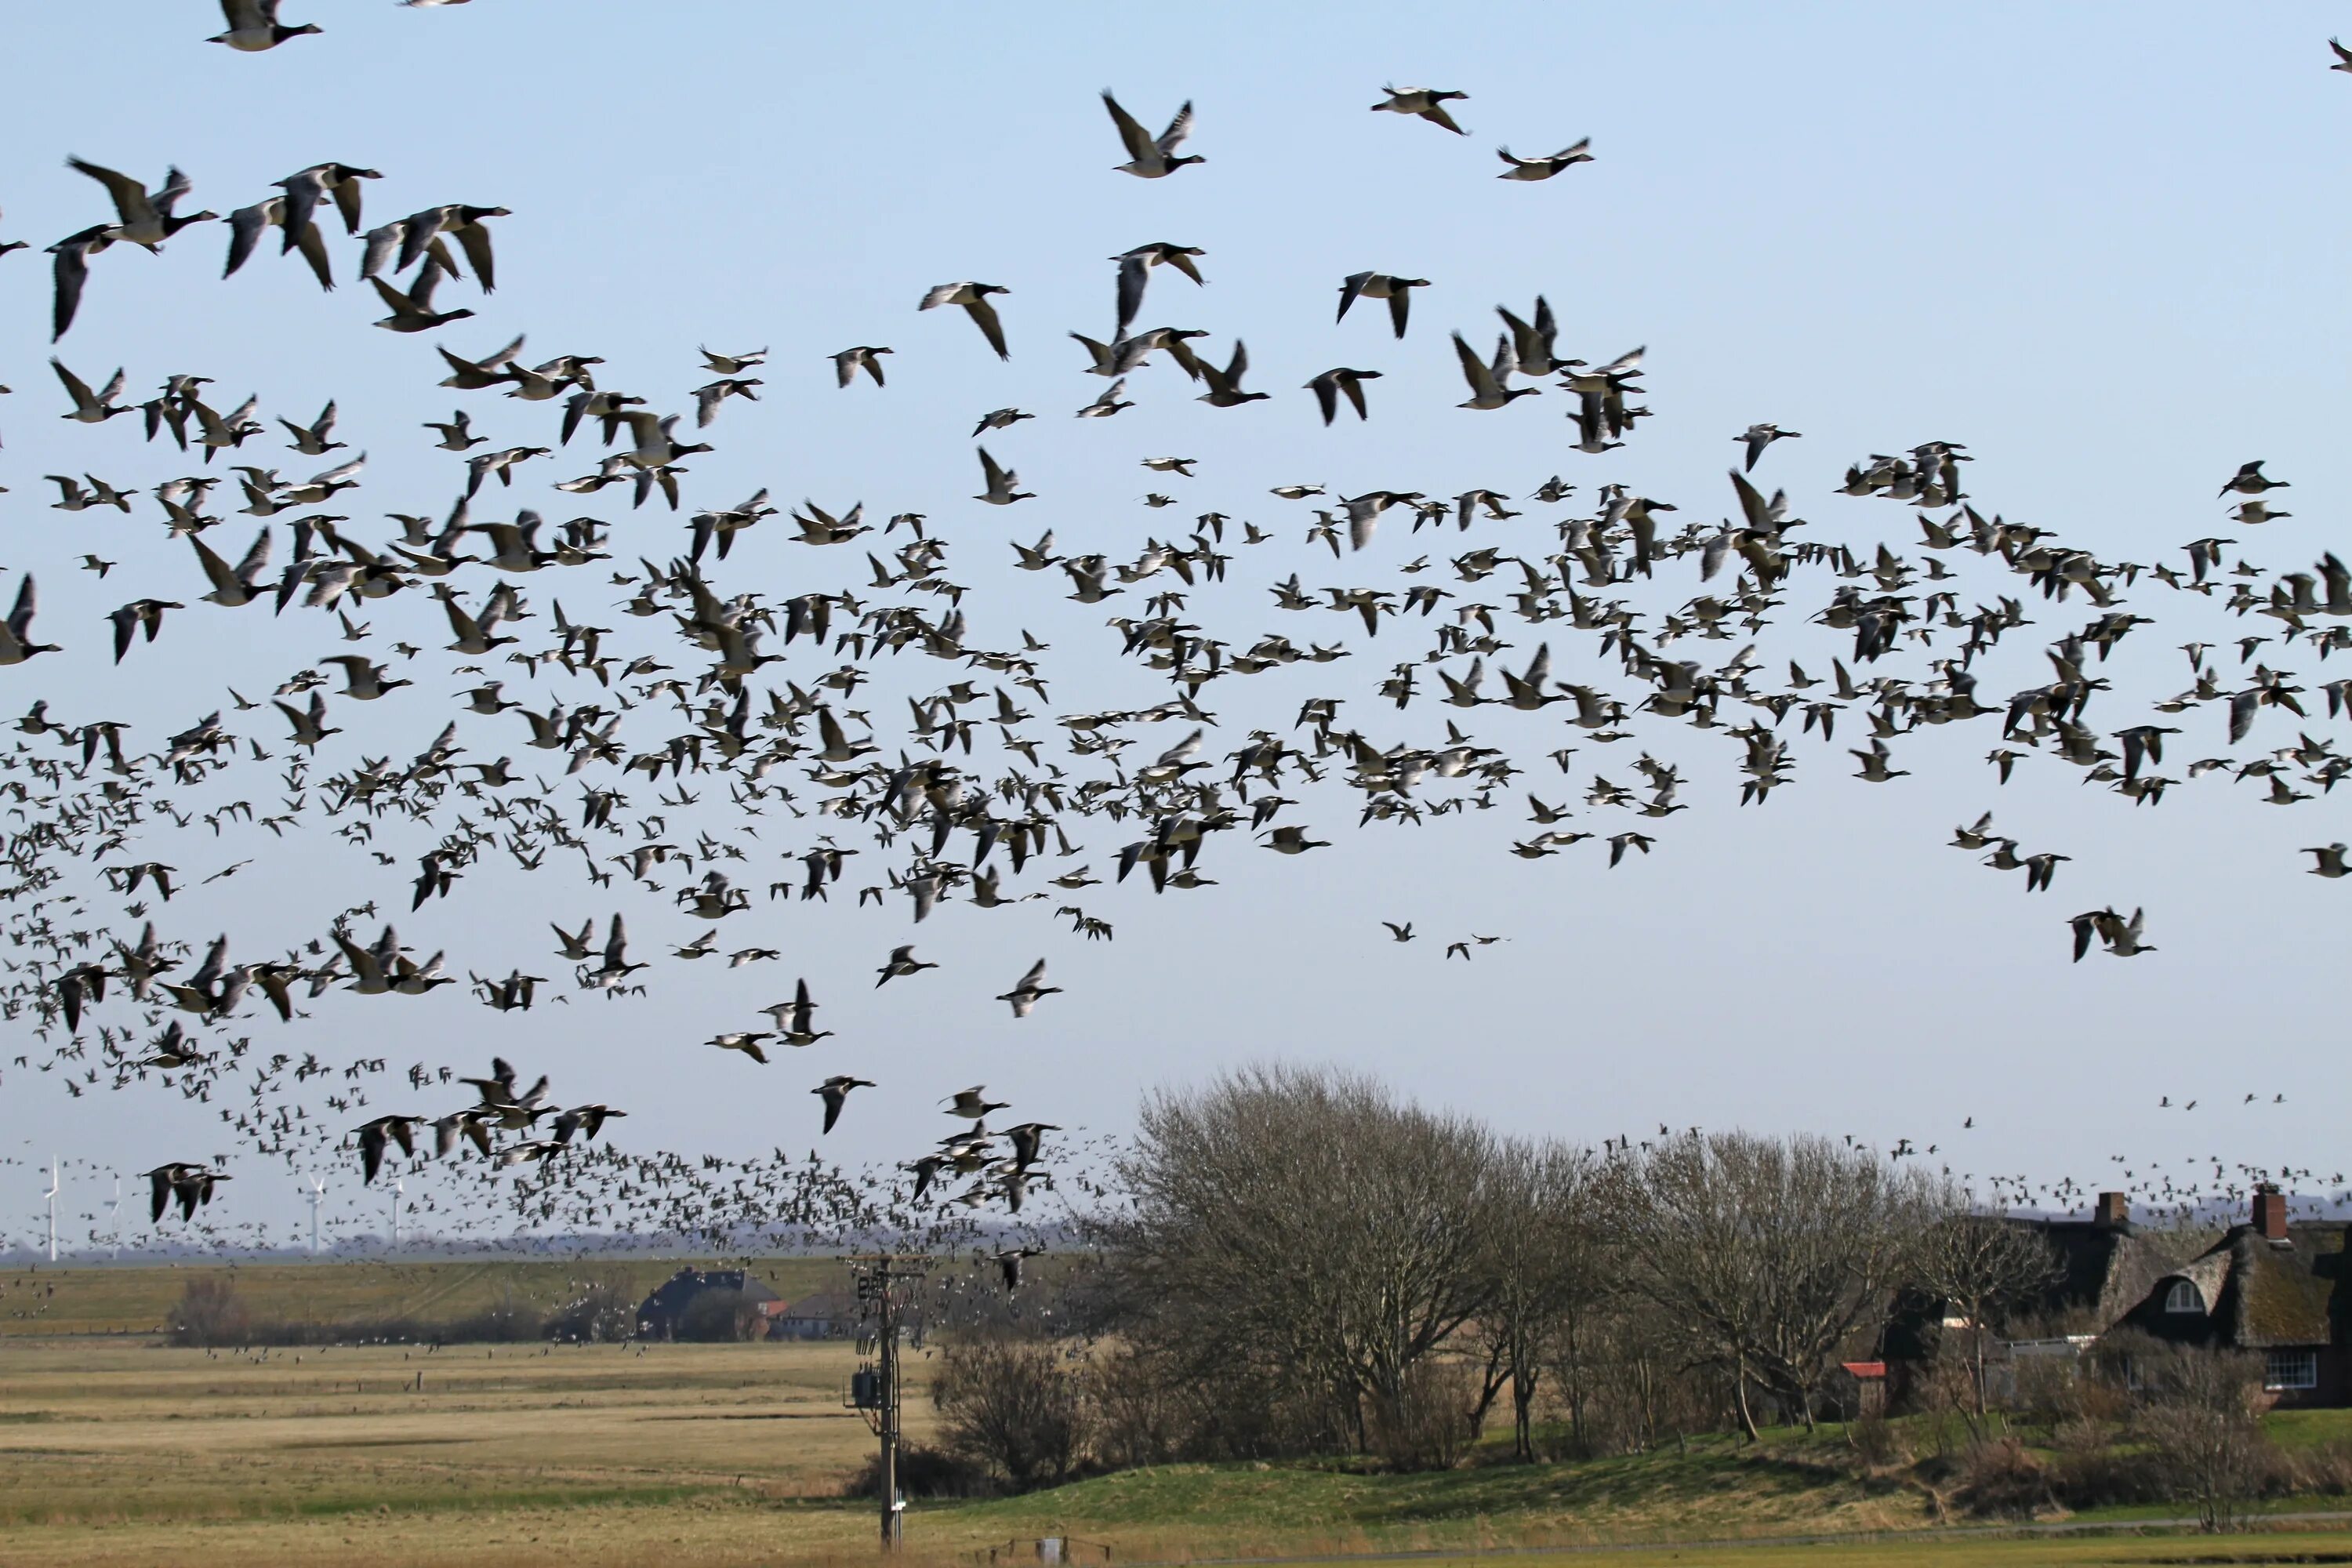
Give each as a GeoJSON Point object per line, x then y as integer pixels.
{"type": "Point", "coordinates": [2103, 249]}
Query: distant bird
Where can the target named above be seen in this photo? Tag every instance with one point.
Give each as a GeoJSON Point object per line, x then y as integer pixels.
{"type": "Point", "coordinates": [191, 1185]}
{"type": "Point", "coordinates": [1400, 933]}
{"type": "Point", "coordinates": [1150, 157]}
{"type": "Point", "coordinates": [1544, 168]}
{"type": "Point", "coordinates": [253, 26]}
{"type": "Point", "coordinates": [2250, 481]}
{"type": "Point", "coordinates": [973, 298]}
{"type": "Point", "coordinates": [835, 1091]}
{"type": "Point", "coordinates": [971, 1104]}
{"type": "Point", "coordinates": [1423, 102]}
{"type": "Point", "coordinates": [999, 483]}
{"type": "Point", "coordinates": [902, 962]}
{"type": "Point", "coordinates": [1397, 291]}
{"type": "Point", "coordinates": [849, 362]}
{"type": "Point", "coordinates": [2343, 57]}
{"type": "Point", "coordinates": [1134, 270]}
{"type": "Point", "coordinates": [1758, 436]}
{"type": "Point", "coordinates": [2330, 862]}
{"type": "Point", "coordinates": [1341, 382]}
{"type": "Point", "coordinates": [1031, 989]}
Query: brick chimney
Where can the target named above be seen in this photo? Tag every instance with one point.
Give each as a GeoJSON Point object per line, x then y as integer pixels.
{"type": "Point", "coordinates": [2114, 1211]}
{"type": "Point", "coordinates": [2269, 1211]}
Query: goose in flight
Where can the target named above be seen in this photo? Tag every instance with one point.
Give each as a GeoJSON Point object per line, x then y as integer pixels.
{"type": "Point", "coordinates": [142, 219]}
{"type": "Point", "coordinates": [902, 962]}
{"type": "Point", "coordinates": [1544, 168]}
{"type": "Point", "coordinates": [337, 181]}
{"type": "Point", "coordinates": [1422, 103]}
{"type": "Point", "coordinates": [1029, 991]}
{"type": "Point", "coordinates": [72, 273]}
{"type": "Point", "coordinates": [1225, 385]}
{"type": "Point", "coordinates": [15, 636]}
{"type": "Point", "coordinates": [1135, 271]}
{"type": "Point", "coordinates": [2330, 862]}
{"type": "Point", "coordinates": [849, 362]}
{"type": "Point", "coordinates": [246, 226]}
{"type": "Point", "coordinates": [1330, 388]}
{"type": "Point", "coordinates": [1756, 438]}
{"type": "Point", "coordinates": [413, 311]}
{"type": "Point", "coordinates": [835, 1093]}
{"type": "Point", "coordinates": [468, 226]}
{"type": "Point", "coordinates": [1486, 388]}
{"type": "Point", "coordinates": [795, 1020]}
{"type": "Point", "coordinates": [253, 26]}
{"type": "Point", "coordinates": [744, 1040]}
{"type": "Point", "coordinates": [1000, 482]}
{"type": "Point", "coordinates": [1397, 291]}
{"type": "Point", "coordinates": [89, 408]}
{"type": "Point", "coordinates": [973, 298]}
{"type": "Point", "coordinates": [377, 1136]}
{"type": "Point", "coordinates": [1152, 157]}
{"type": "Point", "coordinates": [971, 1104]}
{"type": "Point", "coordinates": [190, 1185]}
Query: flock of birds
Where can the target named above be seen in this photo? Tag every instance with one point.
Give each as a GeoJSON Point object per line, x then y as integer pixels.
{"type": "Point", "coordinates": [986, 793]}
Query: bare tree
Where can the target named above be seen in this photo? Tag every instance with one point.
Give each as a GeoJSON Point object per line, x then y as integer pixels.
{"type": "Point", "coordinates": [1765, 1254]}
{"type": "Point", "coordinates": [1542, 1270]}
{"type": "Point", "coordinates": [2202, 1427]}
{"type": "Point", "coordinates": [1983, 1269]}
{"type": "Point", "coordinates": [1301, 1224]}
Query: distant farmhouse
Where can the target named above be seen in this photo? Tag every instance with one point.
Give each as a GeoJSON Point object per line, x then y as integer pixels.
{"type": "Point", "coordinates": [2268, 1287]}
{"type": "Point", "coordinates": [666, 1314]}
{"type": "Point", "coordinates": [671, 1312]}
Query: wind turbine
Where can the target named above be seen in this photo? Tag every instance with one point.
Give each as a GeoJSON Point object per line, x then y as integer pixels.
{"type": "Point", "coordinates": [52, 1196]}
{"type": "Point", "coordinates": [114, 1215]}
{"type": "Point", "coordinates": [318, 1192]}
{"type": "Point", "coordinates": [399, 1185]}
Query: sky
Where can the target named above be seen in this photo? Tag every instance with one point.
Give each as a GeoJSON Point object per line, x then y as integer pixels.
{"type": "Point", "coordinates": [2106, 257]}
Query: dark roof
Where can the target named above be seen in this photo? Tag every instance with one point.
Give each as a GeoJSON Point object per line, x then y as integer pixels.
{"type": "Point", "coordinates": [2257, 1293]}
{"type": "Point", "coordinates": [2104, 1271]}
{"type": "Point", "coordinates": [671, 1296]}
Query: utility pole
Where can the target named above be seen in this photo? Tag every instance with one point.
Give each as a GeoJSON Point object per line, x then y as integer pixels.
{"type": "Point", "coordinates": [877, 1391]}
{"type": "Point", "coordinates": [52, 1196]}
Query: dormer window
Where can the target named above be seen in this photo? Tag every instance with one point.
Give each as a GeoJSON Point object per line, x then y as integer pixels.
{"type": "Point", "coordinates": [2183, 1297]}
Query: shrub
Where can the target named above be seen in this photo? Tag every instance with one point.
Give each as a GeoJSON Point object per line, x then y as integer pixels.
{"type": "Point", "coordinates": [2203, 1433]}
{"type": "Point", "coordinates": [2003, 1480]}
{"type": "Point", "coordinates": [924, 1473]}
{"type": "Point", "coordinates": [718, 1316]}
{"type": "Point", "coordinates": [1426, 1425]}
{"type": "Point", "coordinates": [1011, 1406]}
{"type": "Point", "coordinates": [604, 1310]}
{"type": "Point", "coordinates": [209, 1313]}
{"type": "Point", "coordinates": [1875, 1442]}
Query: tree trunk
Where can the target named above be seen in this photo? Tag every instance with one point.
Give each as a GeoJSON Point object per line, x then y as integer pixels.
{"type": "Point", "coordinates": [1739, 1402]}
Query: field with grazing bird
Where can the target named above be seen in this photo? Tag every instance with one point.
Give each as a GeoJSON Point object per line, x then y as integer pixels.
{"type": "Point", "coordinates": [120, 1449]}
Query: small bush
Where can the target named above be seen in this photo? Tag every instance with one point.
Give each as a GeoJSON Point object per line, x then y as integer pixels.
{"type": "Point", "coordinates": [715, 1317]}
{"type": "Point", "coordinates": [603, 1311]}
{"type": "Point", "coordinates": [925, 1473]}
{"type": "Point", "coordinates": [2003, 1480]}
{"type": "Point", "coordinates": [1427, 1427]}
{"type": "Point", "coordinates": [1011, 1406]}
{"type": "Point", "coordinates": [209, 1314]}
{"type": "Point", "coordinates": [1876, 1443]}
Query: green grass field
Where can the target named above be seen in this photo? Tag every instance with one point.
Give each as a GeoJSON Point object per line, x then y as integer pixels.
{"type": "Point", "coordinates": [116, 1451]}
{"type": "Point", "coordinates": [104, 1299]}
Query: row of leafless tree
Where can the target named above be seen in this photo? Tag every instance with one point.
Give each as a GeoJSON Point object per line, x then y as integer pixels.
{"type": "Point", "coordinates": [1309, 1263]}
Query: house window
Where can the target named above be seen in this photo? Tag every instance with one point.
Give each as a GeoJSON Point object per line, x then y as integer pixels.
{"type": "Point", "coordinates": [2288, 1370]}
{"type": "Point", "coordinates": [2183, 1297]}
